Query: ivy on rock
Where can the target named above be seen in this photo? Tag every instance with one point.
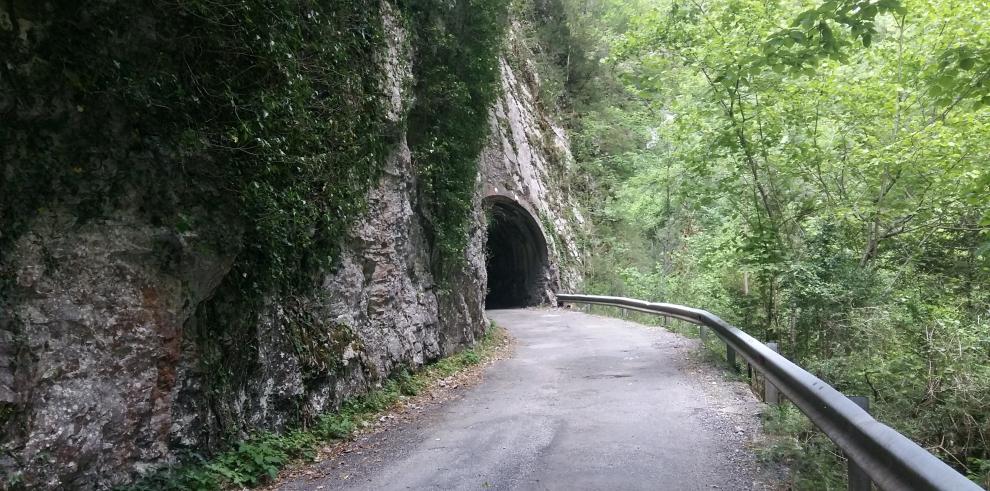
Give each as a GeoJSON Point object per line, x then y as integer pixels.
{"type": "Point", "coordinates": [253, 129]}
{"type": "Point", "coordinates": [457, 46]}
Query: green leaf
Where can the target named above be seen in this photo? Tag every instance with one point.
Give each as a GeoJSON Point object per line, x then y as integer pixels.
{"type": "Point", "coordinates": [828, 39]}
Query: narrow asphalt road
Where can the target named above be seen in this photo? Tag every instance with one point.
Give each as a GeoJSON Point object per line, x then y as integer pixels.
{"type": "Point", "coordinates": [586, 402]}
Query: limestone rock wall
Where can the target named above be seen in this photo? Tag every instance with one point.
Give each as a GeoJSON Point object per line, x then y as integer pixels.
{"type": "Point", "coordinates": [526, 161]}
{"type": "Point", "coordinates": [102, 372]}
{"type": "Point", "coordinates": [92, 343]}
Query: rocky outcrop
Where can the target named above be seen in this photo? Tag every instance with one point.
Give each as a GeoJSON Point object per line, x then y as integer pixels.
{"type": "Point", "coordinates": [104, 373]}
{"type": "Point", "coordinates": [526, 162]}
{"type": "Point", "coordinates": [95, 335]}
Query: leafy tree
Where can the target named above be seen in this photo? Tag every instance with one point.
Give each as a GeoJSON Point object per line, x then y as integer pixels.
{"type": "Point", "coordinates": [816, 173]}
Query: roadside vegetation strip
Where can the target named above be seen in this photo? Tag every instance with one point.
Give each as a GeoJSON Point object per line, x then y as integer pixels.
{"type": "Point", "coordinates": [259, 459]}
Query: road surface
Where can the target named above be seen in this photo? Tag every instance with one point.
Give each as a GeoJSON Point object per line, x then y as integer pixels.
{"type": "Point", "coordinates": [586, 402]}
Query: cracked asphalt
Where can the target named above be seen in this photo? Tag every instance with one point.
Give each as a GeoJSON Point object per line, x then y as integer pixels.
{"type": "Point", "coordinates": [586, 402]}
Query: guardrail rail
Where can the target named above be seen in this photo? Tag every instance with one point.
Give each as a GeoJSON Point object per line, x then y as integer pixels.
{"type": "Point", "coordinates": [875, 451]}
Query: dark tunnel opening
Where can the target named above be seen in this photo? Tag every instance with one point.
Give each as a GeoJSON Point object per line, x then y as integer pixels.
{"type": "Point", "coordinates": [516, 256]}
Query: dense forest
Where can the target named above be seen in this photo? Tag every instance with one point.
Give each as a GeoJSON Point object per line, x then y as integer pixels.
{"type": "Point", "coordinates": [814, 172]}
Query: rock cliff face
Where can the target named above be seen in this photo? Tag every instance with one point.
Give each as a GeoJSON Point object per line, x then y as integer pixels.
{"type": "Point", "coordinates": [103, 370]}
{"type": "Point", "coordinates": [525, 163]}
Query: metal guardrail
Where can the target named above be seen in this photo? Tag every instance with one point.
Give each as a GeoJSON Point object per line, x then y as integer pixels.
{"type": "Point", "coordinates": [890, 459]}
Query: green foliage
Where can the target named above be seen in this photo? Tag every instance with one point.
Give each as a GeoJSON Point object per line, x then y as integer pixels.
{"type": "Point", "coordinates": [457, 76]}
{"type": "Point", "coordinates": [318, 346]}
{"type": "Point", "coordinates": [822, 185]}
{"type": "Point", "coordinates": [268, 117]}
{"type": "Point", "coordinates": [812, 34]}
{"type": "Point", "coordinates": [258, 459]}
{"type": "Point", "coordinates": [795, 442]}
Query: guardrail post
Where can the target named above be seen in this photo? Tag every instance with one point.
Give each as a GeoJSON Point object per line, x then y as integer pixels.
{"type": "Point", "coordinates": [730, 356]}
{"type": "Point", "coordinates": [858, 480]}
{"type": "Point", "coordinates": [770, 392]}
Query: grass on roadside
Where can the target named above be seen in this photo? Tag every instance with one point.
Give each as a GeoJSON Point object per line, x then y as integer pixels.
{"type": "Point", "coordinates": [814, 462]}
{"type": "Point", "coordinates": [258, 459]}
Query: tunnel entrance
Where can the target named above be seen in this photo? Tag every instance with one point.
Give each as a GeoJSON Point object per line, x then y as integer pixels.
{"type": "Point", "coordinates": [516, 256]}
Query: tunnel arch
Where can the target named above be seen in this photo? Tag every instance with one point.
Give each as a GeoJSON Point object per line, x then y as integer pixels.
{"type": "Point", "coordinates": [516, 256]}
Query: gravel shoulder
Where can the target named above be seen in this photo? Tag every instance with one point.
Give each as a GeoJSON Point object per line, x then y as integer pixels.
{"type": "Point", "coordinates": [586, 402]}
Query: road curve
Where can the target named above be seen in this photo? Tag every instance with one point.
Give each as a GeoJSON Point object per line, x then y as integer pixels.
{"type": "Point", "coordinates": [586, 402]}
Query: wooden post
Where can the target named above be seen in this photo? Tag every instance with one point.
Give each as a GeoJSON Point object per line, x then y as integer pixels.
{"type": "Point", "coordinates": [858, 480]}
{"type": "Point", "coordinates": [770, 393]}
{"type": "Point", "coordinates": [730, 356]}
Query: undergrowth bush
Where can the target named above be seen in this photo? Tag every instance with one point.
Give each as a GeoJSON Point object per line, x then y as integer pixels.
{"type": "Point", "coordinates": [813, 460]}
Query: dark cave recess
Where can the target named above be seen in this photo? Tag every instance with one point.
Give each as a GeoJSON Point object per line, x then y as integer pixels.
{"type": "Point", "coordinates": [516, 256]}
